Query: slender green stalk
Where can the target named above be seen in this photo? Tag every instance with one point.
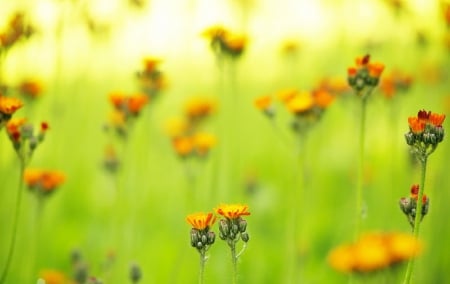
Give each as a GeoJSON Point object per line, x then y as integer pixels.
{"type": "Point", "coordinates": [15, 224]}
{"type": "Point", "coordinates": [418, 218]}
{"type": "Point", "coordinates": [202, 267]}
{"type": "Point", "coordinates": [360, 183]}
{"type": "Point", "coordinates": [234, 262]}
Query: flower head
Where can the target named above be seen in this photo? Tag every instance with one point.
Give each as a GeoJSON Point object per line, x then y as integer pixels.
{"type": "Point", "coordinates": [43, 181]}
{"type": "Point", "coordinates": [31, 88]}
{"type": "Point", "coordinates": [300, 103]}
{"type": "Point", "coordinates": [365, 74]}
{"type": "Point", "coordinates": [425, 131]}
{"type": "Point", "coordinates": [201, 221]}
{"type": "Point", "coordinates": [9, 105]}
{"type": "Point", "coordinates": [232, 211]}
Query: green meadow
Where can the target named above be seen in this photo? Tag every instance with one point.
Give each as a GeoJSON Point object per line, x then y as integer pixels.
{"type": "Point", "coordinates": [300, 186]}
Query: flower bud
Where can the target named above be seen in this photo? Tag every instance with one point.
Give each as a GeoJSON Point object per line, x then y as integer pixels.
{"type": "Point", "coordinates": [245, 237]}
{"type": "Point", "coordinates": [242, 225]}
{"type": "Point", "coordinates": [439, 133]}
{"type": "Point", "coordinates": [410, 138]}
{"type": "Point", "coordinates": [223, 227]}
{"type": "Point", "coordinates": [194, 237]}
{"type": "Point", "coordinates": [211, 238]}
{"type": "Point", "coordinates": [405, 205]}
{"type": "Point", "coordinates": [235, 229]}
{"type": "Point", "coordinates": [199, 245]}
{"type": "Point", "coordinates": [204, 240]}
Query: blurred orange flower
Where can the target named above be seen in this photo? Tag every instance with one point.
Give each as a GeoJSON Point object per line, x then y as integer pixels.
{"type": "Point", "coordinates": [31, 88]}
{"type": "Point", "coordinates": [199, 107]}
{"type": "Point", "coordinates": [203, 142]}
{"type": "Point", "coordinates": [374, 251]}
{"type": "Point", "coordinates": [263, 103]}
{"type": "Point", "coordinates": [44, 181]}
{"type": "Point", "coordinates": [51, 276]}
{"type": "Point", "coordinates": [9, 105]}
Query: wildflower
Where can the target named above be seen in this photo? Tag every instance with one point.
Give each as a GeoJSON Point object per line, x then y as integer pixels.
{"type": "Point", "coordinates": [232, 211]}
{"type": "Point", "coordinates": [43, 182]}
{"type": "Point", "coordinates": [51, 276]}
{"type": "Point", "coordinates": [152, 80]}
{"type": "Point", "coordinates": [264, 103]}
{"type": "Point", "coordinates": [365, 75]}
{"type": "Point", "coordinates": [16, 30]}
{"type": "Point", "coordinates": [286, 95]}
{"type": "Point", "coordinates": [395, 82]}
{"type": "Point", "coordinates": [203, 142]}
{"type": "Point", "coordinates": [201, 236]}
{"type": "Point", "coordinates": [176, 127]}
{"type": "Point", "coordinates": [300, 103]}
{"type": "Point", "coordinates": [30, 88]}
{"type": "Point", "coordinates": [23, 137]}
{"type": "Point", "coordinates": [8, 106]}
{"type": "Point", "coordinates": [198, 108]}
{"type": "Point", "coordinates": [183, 146]}
{"type": "Point", "coordinates": [408, 205]}
{"type": "Point", "coordinates": [374, 252]}
{"type": "Point", "coordinates": [425, 132]}
{"type": "Point", "coordinates": [224, 42]}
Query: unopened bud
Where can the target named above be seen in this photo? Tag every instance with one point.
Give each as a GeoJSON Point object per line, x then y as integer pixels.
{"type": "Point", "coordinates": [211, 238]}
{"type": "Point", "coordinates": [245, 237]}
{"type": "Point", "coordinates": [410, 138]}
{"type": "Point", "coordinates": [135, 273]}
{"type": "Point", "coordinates": [242, 225]}
{"type": "Point", "coordinates": [194, 237]}
{"type": "Point", "coordinates": [223, 227]}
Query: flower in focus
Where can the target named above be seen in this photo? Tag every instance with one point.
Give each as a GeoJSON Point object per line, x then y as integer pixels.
{"type": "Point", "coordinates": [43, 182]}
{"type": "Point", "coordinates": [374, 252]}
{"type": "Point", "coordinates": [232, 211]}
{"type": "Point", "coordinates": [425, 132]}
{"type": "Point", "coordinates": [201, 236]}
{"type": "Point", "coordinates": [233, 227]}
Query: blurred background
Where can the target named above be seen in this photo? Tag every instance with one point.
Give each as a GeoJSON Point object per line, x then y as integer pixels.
{"type": "Point", "coordinates": [73, 55]}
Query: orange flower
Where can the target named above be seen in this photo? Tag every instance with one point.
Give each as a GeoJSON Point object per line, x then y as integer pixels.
{"type": "Point", "coordinates": [416, 125]}
{"type": "Point", "coordinates": [9, 105]}
{"type": "Point", "coordinates": [199, 107]}
{"type": "Point", "coordinates": [44, 180]}
{"type": "Point", "coordinates": [204, 142]}
{"type": "Point", "coordinates": [51, 276]}
{"type": "Point", "coordinates": [201, 221]}
{"type": "Point", "coordinates": [31, 88]}
{"type": "Point", "coordinates": [351, 71]}
{"type": "Point", "coordinates": [263, 103]}
{"type": "Point", "coordinates": [374, 251]}
{"type": "Point", "coordinates": [137, 102]}
{"type": "Point", "coordinates": [150, 64]}
{"type": "Point", "coordinates": [375, 69]}
{"type": "Point", "coordinates": [183, 145]}
{"type": "Point", "coordinates": [301, 102]}
{"type": "Point", "coordinates": [13, 127]}
{"type": "Point", "coordinates": [322, 99]}
{"type": "Point", "coordinates": [286, 95]}
{"type": "Point", "coordinates": [436, 119]}
{"type": "Point", "coordinates": [232, 211]}
{"type": "Point", "coordinates": [117, 99]}
{"type": "Point", "coordinates": [235, 43]}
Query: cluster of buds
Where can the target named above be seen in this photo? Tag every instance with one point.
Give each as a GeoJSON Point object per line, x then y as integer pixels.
{"type": "Point", "coordinates": [151, 78]}
{"type": "Point", "coordinates": [188, 140]}
{"type": "Point", "coordinates": [8, 106]}
{"type": "Point", "coordinates": [126, 109]}
{"type": "Point", "coordinates": [233, 227]}
{"type": "Point", "coordinates": [16, 30]}
{"type": "Point", "coordinates": [80, 268]}
{"type": "Point", "coordinates": [201, 236]}
{"type": "Point", "coordinates": [23, 137]}
{"type": "Point", "coordinates": [408, 205]}
{"type": "Point", "coordinates": [364, 76]}
{"type": "Point", "coordinates": [224, 42]}
{"type": "Point", "coordinates": [395, 82]}
{"type": "Point", "coordinates": [425, 132]}
{"type": "Point", "coordinates": [306, 107]}
{"type": "Point", "coordinates": [43, 182]}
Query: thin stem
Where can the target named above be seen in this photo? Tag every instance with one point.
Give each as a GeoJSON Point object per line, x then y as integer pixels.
{"type": "Point", "coordinates": [360, 183]}
{"type": "Point", "coordinates": [15, 224]}
{"type": "Point", "coordinates": [418, 218]}
{"type": "Point", "coordinates": [202, 266]}
{"type": "Point", "coordinates": [234, 261]}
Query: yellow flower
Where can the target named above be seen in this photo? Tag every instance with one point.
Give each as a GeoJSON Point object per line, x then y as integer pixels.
{"type": "Point", "coordinates": [201, 221]}
{"type": "Point", "coordinates": [204, 142]}
{"type": "Point", "coordinates": [341, 258]}
{"type": "Point", "coordinates": [371, 253]}
{"type": "Point", "coordinates": [215, 32]}
{"type": "Point", "coordinates": [232, 211]}
{"type": "Point", "coordinates": [286, 95]}
{"type": "Point", "coordinates": [183, 145]}
{"type": "Point", "coordinates": [176, 127]}
{"type": "Point", "coordinates": [301, 102]}
{"type": "Point", "coordinates": [403, 246]}
{"type": "Point", "coordinates": [199, 107]}
{"type": "Point", "coordinates": [150, 64]}
{"type": "Point", "coordinates": [9, 105]}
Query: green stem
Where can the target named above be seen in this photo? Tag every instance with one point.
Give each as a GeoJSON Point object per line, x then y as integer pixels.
{"type": "Point", "coordinates": [234, 261]}
{"type": "Point", "coordinates": [202, 266]}
{"type": "Point", "coordinates": [418, 218]}
{"type": "Point", "coordinates": [360, 183]}
{"type": "Point", "coordinates": [15, 224]}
